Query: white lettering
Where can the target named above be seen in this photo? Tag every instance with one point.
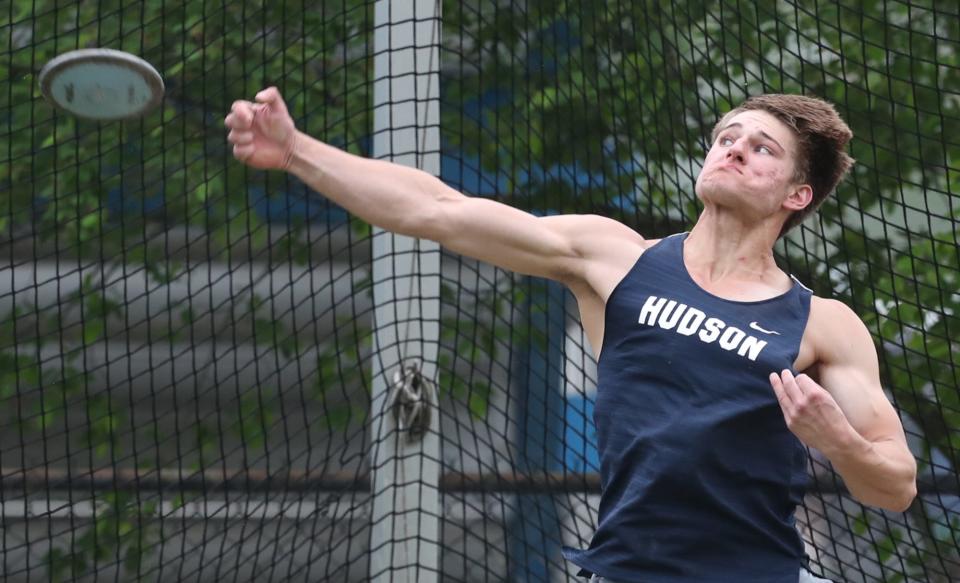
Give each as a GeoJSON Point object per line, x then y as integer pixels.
{"type": "Point", "coordinates": [712, 332]}
{"type": "Point", "coordinates": [690, 322]}
{"type": "Point", "coordinates": [651, 308]}
{"type": "Point", "coordinates": [753, 346]}
{"type": "Point", "coordinates": [731, 338]}
{"type": "Point", "coordinates": [669, 319]}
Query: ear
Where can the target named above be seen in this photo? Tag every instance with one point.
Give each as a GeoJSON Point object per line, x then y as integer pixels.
{"type": "Point", "coordinates": [799, 198]}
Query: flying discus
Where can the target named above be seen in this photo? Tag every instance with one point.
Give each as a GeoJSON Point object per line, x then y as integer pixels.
{"type": "Point", "coordinates": [102, 84]}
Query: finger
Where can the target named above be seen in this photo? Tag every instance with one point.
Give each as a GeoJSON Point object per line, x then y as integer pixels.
{"type": "Point", "coordinates": [806, 384]}
{"type": "Point", "coordinates": [800, 389]}
{"type": "Point", "coordinates": [813, 392]}
{"type": "Point", "coordinates": [271, 98]}
{"type": "Point", "coordinates": [242, 152]}
{"type": "Point", "coordinates": [240, 137]}
{"type": "Point", "coordinates": [235, 119]}
{"type": "Point", "coordinates": [242, 112]}
{"type": "Point", "coordinates": [269, 95]}
{"type": "Point", "coordinates": [777, 385]}
{"type": "Point", "coordinates": [790, 386]}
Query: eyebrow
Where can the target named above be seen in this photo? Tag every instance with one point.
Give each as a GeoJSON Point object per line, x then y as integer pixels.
{"type": "Point", "coordinates": [762, 133]}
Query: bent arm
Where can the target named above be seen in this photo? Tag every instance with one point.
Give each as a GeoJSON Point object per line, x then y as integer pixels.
{"type": "Point", "coordinates": [877, 472]}
{"type": "Point", "coordinates": [871, 453]}
{"type": "Point", "coordinates": [411, 202]}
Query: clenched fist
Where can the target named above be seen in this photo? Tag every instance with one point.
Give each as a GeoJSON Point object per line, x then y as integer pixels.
{"type": "Point", "coordinates": [262, 133]}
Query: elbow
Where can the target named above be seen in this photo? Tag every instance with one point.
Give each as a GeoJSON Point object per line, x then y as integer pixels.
{"type": "Point", "coordinates": [898, 492]}
{"type": "Point", "coordinates": [897, 499]}
{"type": "Point", "coordinates": [908, 493]}
{"type": "Point", "coordinates": [902, 500]}
{"type": "Point", "coordinates": [423, 223]}
{"type": "Point", "coordinates": [437, 219]}
{"type": "Point", "coordinates": [433, 215]}
{"type": "Point", "coordinates": [909, 490]}
{"type": "Point", "coordinates": [910, 496]}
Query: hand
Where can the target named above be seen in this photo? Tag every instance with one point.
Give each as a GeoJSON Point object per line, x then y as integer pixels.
{"type": "Point", "coordinates": [262, 133]}
{"type": "Point", "coordinates": [810, 411]}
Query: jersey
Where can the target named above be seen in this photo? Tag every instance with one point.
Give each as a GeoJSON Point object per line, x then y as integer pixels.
{"type": "Point", "coordinates": [700, 475]}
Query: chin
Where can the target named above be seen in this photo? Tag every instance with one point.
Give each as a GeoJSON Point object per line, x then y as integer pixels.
{"type": "Point", "coordinates": [709, 191]}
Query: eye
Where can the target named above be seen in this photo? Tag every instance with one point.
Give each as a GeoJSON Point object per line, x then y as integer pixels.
{"type": "Point", "coordinates": [725, 140]}
{"type": "Point", "coordinates": [763, 149]}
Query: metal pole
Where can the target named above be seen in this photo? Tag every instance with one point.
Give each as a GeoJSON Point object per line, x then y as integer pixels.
{"type": "Point", "coordinates": [405, 473]}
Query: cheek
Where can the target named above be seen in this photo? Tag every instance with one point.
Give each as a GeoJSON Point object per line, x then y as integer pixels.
{"type": "Point", "coordinates": [774, 171]}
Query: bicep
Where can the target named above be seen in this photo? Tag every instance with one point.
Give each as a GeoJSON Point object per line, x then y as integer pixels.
{"type": "Point", "coordinates": [848, 368]}
{"type": "Point", "coordinates": [555, 247]}
{"type": "Point", "coordinates": [861, 398]}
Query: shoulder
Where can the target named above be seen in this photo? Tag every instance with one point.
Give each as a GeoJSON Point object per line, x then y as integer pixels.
{"type": "Point", "coordinates": [830, 313]}
{"type": "Point", "coordinates": [837, 331]}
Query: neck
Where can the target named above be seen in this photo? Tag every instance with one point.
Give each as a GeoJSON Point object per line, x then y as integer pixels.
{"type": "Point", "coordinates": [722, 246]}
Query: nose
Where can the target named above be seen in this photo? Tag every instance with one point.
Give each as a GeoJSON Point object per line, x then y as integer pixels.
{"type": "Point", "coordinates": [736, 151]}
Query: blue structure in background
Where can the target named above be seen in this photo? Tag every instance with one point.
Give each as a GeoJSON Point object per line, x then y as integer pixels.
{"type": "Point", "coordinates": [580, 434]}
{"type": "Point", "coordinates": [533, 536]}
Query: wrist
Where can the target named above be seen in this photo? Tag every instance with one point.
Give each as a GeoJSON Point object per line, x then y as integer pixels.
{"type": "Point", "coordinates": [292, 150]}
{"type": "Point", "coordinates": [846, 444]}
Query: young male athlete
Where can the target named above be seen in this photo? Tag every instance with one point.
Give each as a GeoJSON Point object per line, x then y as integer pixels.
{"type": "Point", "coordinates": [714, 365]}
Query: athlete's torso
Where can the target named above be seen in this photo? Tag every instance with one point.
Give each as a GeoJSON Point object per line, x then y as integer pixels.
{"type": "Point", "coordinates": [700, 474]}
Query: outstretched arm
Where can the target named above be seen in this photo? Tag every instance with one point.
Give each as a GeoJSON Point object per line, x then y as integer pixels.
{"type": "Point", "coordinates": [411, 202]}
{"type": "Point", "coordinates": [846, 415]}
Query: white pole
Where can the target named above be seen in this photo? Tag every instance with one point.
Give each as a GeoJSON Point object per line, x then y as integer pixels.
{"type": "Point", "coordinates": [406, 510]}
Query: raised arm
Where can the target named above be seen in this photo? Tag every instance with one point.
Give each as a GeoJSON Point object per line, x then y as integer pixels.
{"type": "Point", "coordinates": [411, 202]}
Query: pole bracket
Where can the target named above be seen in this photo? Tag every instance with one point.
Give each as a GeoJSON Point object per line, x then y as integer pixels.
{"type": "Point", "coordinates": [412, 397]}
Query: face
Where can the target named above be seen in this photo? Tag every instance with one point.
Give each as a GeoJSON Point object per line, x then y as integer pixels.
{"type": "Point", "coordinates": [750, 167]}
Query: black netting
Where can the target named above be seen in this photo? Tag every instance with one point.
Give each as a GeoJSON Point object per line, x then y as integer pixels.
{"type": "Point", "coordinates": [187, 351]}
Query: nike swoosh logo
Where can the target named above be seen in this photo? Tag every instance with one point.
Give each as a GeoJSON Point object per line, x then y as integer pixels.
{"type": "Point", "coordinates": [756, 326]}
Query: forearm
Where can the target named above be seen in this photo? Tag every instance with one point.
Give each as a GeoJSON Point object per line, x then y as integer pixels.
{"type": "Point", "coordinates": [877, 473]}
{"type": "Point", "coordinates": [396, 198]}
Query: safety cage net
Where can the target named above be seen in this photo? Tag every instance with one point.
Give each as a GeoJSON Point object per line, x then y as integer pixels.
{"type": "Point", "coordinates": [211, 373]}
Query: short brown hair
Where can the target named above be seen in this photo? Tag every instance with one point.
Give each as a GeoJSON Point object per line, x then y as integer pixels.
{"type": "Point", "coordinates": [822, 137]}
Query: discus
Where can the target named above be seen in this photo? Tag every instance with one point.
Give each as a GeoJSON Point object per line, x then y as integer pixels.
{"type": "Point", "coordinates": [101, 84]}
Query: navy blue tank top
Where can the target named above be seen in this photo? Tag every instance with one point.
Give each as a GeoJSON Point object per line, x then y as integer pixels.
{"type": "Point", "coordinates": [700, 475]}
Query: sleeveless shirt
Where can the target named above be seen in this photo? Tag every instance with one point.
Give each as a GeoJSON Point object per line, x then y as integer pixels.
{"type": "Point", "coordinates": [700, 475]}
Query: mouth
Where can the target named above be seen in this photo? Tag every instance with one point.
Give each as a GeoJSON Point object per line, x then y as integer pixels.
{"type": "Point", "coordinates": [730, 168]}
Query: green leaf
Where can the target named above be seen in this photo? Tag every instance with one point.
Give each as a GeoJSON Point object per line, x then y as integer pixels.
{"type": "Point", "coordinates": [860, 524]}
{"type": "Point", "coordinates": [92, 331]}
{"type": "Point", "coordinates": [479, 401]}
